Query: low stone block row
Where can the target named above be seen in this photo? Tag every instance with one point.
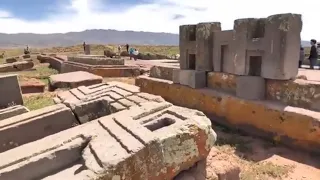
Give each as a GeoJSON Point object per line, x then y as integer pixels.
{"type": "Point", "coordinates": [12, 111]}
{"type": "Point", "coordinates": [151, 141]}
{"type": "Point", "coordinates": [84, 59]}
{"type": "Point", "coordinates": [102, 70]}
{"type": "Point", "coordinates": [16, 66]}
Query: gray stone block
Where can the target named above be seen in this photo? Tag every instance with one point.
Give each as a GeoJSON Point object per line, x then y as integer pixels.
{"type": "Point", "coordinates": [34, 125]}
{"type": "Point", "coordinates": [12, 111]}
{"type": "Point", "coordinates": [192, 78]}
{"type": "Point", "coordinates": [250, 87]}
{"type": "Point", "coordinates": [176, 76]}
{"type": "Point", "coordinates": [10, 91]}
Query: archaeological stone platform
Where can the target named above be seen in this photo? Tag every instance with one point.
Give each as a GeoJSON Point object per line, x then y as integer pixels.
{"type": "Point", "coordinates": [91, 102]}
{"type": "Point", "coordinates": [153, 141]}
{"type": "Point", "coordinates": [73, 80]}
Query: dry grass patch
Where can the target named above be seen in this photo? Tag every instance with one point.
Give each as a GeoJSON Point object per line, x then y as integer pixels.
{"type": "Point", "coordinates": [38, 101]}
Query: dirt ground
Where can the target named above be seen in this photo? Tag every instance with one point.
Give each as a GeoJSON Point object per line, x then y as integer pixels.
{"type": "Point", "coordinates": [262, 160]}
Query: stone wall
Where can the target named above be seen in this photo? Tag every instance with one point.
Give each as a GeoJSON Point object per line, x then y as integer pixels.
{"type": "Point", "coordinates": [281, 123]}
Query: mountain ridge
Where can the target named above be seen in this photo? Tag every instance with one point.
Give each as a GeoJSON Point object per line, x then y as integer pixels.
{"type": "Point", "coordinates": [92, 36]}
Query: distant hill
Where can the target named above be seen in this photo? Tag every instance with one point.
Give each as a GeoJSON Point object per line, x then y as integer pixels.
{"type": "Point", "coordinates": [94, 36]}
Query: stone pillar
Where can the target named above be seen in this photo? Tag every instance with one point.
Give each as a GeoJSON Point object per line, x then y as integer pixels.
{"type": "Point", "coordinates": [204, 45]}
{"type": "Point", "coordinates": [245, 30]}
{"type": "Point", "coordinates": [186, 44]}
{"type": "Point", "coordinates": [282, 46]}
{"type": "Point", "coordinates": [87, 49]}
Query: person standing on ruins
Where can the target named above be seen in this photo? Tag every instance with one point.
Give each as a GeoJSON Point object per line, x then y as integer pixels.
{"type": "Point", "coordinates": [127, 46]}
{"type": "Point", "coordinates": [119, 50]}
{"type": "Point", "coordinates": [131, 52]}
{"type": "Point", "coordinates": [301, 56]}
{"type": "Point", "coordinates": [313, 57]}
{"type": "Point", "coordinates": [84, 46]}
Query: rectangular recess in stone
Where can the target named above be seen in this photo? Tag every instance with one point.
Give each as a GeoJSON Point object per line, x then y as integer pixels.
{"type": "Point", "coordinates": [192, 61]}
{"type": "Point", "coordinates": [255, 65]}
{"type": "Point", "coordinates": [122, 91]}
{"type": "Point", "coordinates": [12, 111]}
{"type": "Point", "coordinates": [159, 123]}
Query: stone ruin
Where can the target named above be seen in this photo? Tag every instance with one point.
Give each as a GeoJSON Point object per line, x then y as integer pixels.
{"type": "Point", "coordinates": [95, 64]}
{"type": "Point", "coordinates": [103, 131]}
{"type": "Point", "coordinates": [255, 50]}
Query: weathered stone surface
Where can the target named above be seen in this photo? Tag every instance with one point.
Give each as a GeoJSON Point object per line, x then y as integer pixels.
{"type": "Point", "coordinates": [73, 80]}
{"type": "Point", "coordinates": [102, 70]}
{"type": "Point", "coordinates": [91, 102]}
{"type": "Point", "coordinates": [251, 87]}
{"type": "Point", "coordinates": [12, 111]}
{"type": "Point", "coordinates": [162, 72]}
{"type": "Point", "coordinates": [11, 59]}
{"type": "Point", "coordinates": [96, 60]}
{"type": "Point", "coordinates": [32, 86]}
{"type": "Point", "coordinates": [192, 78]}
{"type": "Point", "coordinates": [16, 66]}
{"type": "Point", "coordinates": [285, 124]}
{"type": "Point", "coordinates": [222, 81]}
{"type": "Point", "coordinates": [212, 168]}
{"type": "Point", "coordinates": [26, 56]}
{"type": "Point", "coordinates": [33, 125]}
{"type": "Point", "coordinates": [155, 141]}
{"type": "Point", "coordinates": [10, 91]}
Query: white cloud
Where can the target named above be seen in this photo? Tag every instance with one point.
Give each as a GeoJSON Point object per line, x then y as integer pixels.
{"type": "Point", "coordinates": [158, 16]}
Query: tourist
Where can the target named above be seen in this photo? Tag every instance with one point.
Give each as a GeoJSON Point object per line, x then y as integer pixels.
{"type": "Point", "coordinates": [301, 56]}
{"type": "Point", "coordinates": [127, 46]}
{"type": "Point", "coordinates": [131, 53]}
{"type": "Point", "coordinates": [313, 57]}
{"type": "Point", "coordinates": [135, 54]}
{"type": "Point", "coordinates": [84, 46]}
{"type": "Point", "coordinates": [119, 50]}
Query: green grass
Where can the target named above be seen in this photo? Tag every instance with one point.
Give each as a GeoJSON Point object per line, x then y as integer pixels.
{"type": "Point", "coordinates": [35, 102]}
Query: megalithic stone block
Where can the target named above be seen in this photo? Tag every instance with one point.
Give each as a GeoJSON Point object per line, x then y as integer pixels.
{"type": "Point", "coordinates": [204, 45]}
{"type": "Point", "coordinates": [155, 141]}
{"type": "Point", "coordinates": [282, 44]}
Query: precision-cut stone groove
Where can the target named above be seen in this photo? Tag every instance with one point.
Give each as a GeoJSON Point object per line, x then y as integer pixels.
{"type": "Point", "coordinates": [144, 114]}
{"type": "Point", "coordinates": [47, 150]}
{"type": "Point", "coordinates": [93, 152]}
{"type": "Point", "coordinates": [118, 101]}
{"type": "Point", "coordinates": [130, 132]}
{"type": "Point", "coordinates": [115, 137]}
{"type": "Point", "coordinates": [26, 119]}
{"type": "Point", "coordinates": [163, 113]}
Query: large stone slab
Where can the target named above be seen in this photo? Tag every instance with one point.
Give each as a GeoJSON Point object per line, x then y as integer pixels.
{"type": "Point", "coordinates": [73, 80]}
{"type": "Point", "coordinates": [191, 78]}
{"type": "Point", "coordinates": [33, 125]}
{"type": "Point", "coordinates": [10, 91]}
{"type": "Point", "coordinates": [91, 102]}
{"type": "Point", "coordinates": [155, 141]}
{"type": "Point", "coordinates": [250, 87]}
{"type": "Point", "coordinates": [12, 111]}
{"type": "Point", "coordinates": [96, 60]}
{"type": "Point", "coordinates": [16, 66]}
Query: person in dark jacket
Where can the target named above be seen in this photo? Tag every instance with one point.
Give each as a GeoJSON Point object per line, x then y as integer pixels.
{"type": "Point", "coordinates": [313, 57]}
{"type": "Point", "coordinates": [127, 46]}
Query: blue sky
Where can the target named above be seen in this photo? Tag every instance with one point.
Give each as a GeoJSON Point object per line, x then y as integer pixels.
{"type": "Point", "coordinates": [60, 16]}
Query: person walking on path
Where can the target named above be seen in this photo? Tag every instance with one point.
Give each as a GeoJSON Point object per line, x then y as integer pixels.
{"type": "Point", "coordinates": [127, 46]}
{"type": "Point", "coordinates": [119, 50]}
{"type": "Point", "coordinates": [301, 56]}
{"type": "Point", "coordinates": [313, 57]}
{"type": "Point", "coordinates": [135, 54]}
{"type": "Point", "coordinates": [131, 53]}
